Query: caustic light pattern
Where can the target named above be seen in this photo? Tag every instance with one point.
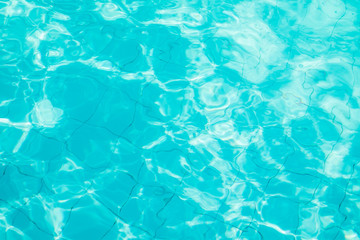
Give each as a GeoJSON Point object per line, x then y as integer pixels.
{"type": "Point", "coordinates": [166, 119]}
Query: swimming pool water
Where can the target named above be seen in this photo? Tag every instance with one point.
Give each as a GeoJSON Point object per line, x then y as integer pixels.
{"type": "Point", "coordinates": [139, 119]}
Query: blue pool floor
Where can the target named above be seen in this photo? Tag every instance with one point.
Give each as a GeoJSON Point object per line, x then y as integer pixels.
{"type": "Point", "coordinates": [135, 119]}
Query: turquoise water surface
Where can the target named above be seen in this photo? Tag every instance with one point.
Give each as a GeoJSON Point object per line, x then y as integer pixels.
{"type": "Point", "coordinates": [140, 119]}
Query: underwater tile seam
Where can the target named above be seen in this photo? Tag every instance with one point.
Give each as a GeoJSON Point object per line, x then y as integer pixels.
{"type": "Point", "coordinates": [132, 119]}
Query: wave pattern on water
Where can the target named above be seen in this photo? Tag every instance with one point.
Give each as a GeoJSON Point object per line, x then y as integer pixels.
{"type": "Point", "coordinates": [134, 119]}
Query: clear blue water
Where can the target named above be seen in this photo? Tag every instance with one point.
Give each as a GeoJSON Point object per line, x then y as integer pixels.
{"type": "Point", "coordinates": [179, 119]}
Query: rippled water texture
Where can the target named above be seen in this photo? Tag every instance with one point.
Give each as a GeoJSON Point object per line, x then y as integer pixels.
{"type": "Point", "coordinates": [139, 119]}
